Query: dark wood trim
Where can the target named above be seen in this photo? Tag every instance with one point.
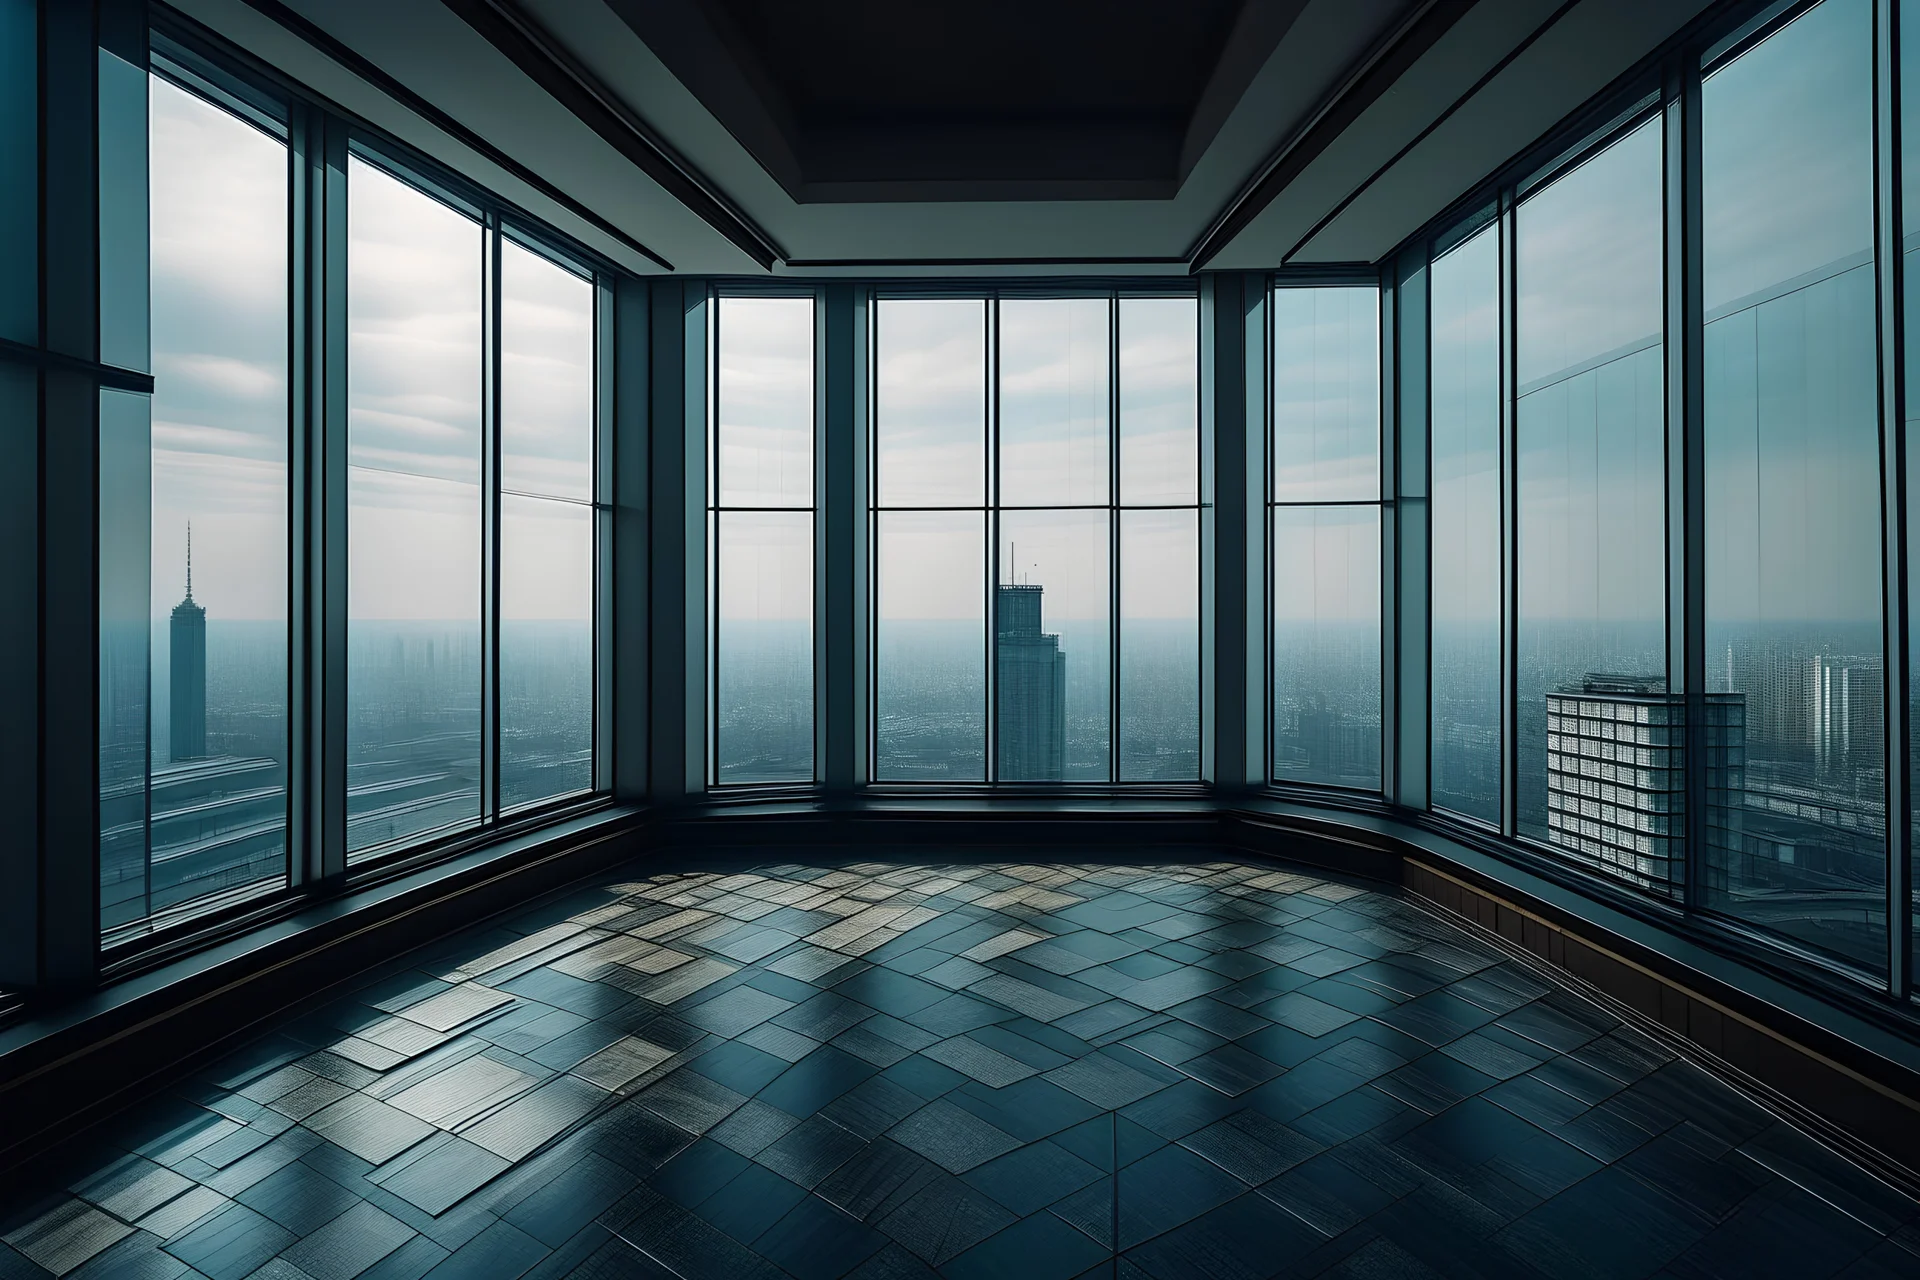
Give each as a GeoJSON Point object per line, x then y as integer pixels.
{"type": "Point", "coordinates": [577, 89]}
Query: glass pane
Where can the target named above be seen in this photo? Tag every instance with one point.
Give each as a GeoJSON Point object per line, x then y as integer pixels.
{"type": "Point", "coordinates": [125, 274]}
{"type": "Point", "coordinates": [765, 404]}
{"type": "Point", "coordinates": [1465, 589]}
{"type": "Point", "coordinates": [1326, 394]}
{"type": "Point", "coordinates": [1159, 401]}
{"type": "Point", "coordinates": [1591, 262]}
{"type": "Point", "coordinates": [19, 171]}
{"type": "Point", "coordinates": [1591, 443]}
{"type": "Point", "coordinates": [1053, 402]}
{"type": "Point", "coordinates": [930, 648]}
{"type": "Point", "coordinates": [546, 377]}
{"type": "Point", "coordinates": [1052, 642]}
{"type": "Point", "coordinates": [931, 419]}
{"type": "Point", "coordinates": [1159, 646]}
{"type": "Point", "coordinates": [413, 634]}
{"type": "Point", "coordinates": [126, 487]}
{"type": "Point", "coordinates": [1793, 488]}
{"type": "Point", "coordinates": [219, 535]}
{"type": "Point", "coordinates": [763, 673]}
{"type": "Point", "coordinates": [1326, 645]}
{"type": "Point", "coordinates": [546, 649]}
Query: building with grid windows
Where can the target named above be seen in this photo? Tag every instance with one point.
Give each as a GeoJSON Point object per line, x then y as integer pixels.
{"type": "Point", "coordinates": [1616, 781]}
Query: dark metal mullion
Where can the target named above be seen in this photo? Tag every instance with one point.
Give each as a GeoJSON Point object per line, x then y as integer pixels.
{"type": "Point", "coordinates": [1509, 526]}
{"type": "Point", "coordinates": [1268, 681]}
{"type": "Point", "coordinates": [1114, 498]}
{"type": "Point", "coordinates": [1686, 420]}
{"type": "Point", "coordinates": [710, 571]}
{"type": "Point", "coordinates": [990, 768]}
{"type": "Point", "coordinates": [326, 489]}
{"type": "Point", "coordinates": [490, 440]}
{"type": "Point", "coordinates": [603, 632]}
{"type": "Point", "coordinates": [1889, 247]}
{"type": "Point", "coordinates": [1387, 446]}
{"type": "Point", "coordinates": [303, 134]}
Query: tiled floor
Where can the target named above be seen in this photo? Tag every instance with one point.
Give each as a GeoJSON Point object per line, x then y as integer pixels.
{"type": "Point", "coordinates": [1207, 1069]}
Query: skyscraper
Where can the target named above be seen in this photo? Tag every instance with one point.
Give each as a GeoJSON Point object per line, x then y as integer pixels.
{"type": "Point", "coordinates": [1616, 781]}
{"type": "Point", "coordinates": [187, 670]}
{"type": "Point", "coordinates": [1032, 681]}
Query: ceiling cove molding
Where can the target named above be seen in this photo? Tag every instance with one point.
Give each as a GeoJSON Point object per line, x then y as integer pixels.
{"type": "Point", "coordinates": [1375, 74]}
{"type": "Point", "coordinates": [316, 36]}
{"type": "Point", "coordinates": [1431, 127]}
{"type": "Point", "coordinates": [519, 40]}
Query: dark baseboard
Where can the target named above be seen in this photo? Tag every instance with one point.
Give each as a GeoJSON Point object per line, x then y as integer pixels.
{"type": "Point", "coordinates": [1797, 1070]}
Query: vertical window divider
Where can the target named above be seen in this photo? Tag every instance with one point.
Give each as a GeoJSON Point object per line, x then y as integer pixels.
{"type": "Point", "coordinates": [605, 462]}
{"type": "Point", "coordinates": [1114, 499]}
{"type": "Point", "coordinates": [320, 783]}
{"type": "Point", "coordinates": [490, 521]}
{"type": "Point", "coordinates": [710, 579]}
{"type": "Point", "coordinates": [1387, 492]}
{"type": "Point", "coordinates": [1687, 446]}
{"type": "Point", "coordinates": [1889, 222]}
{"type": "Point", "coordinates": [990, 769]}
{"type": "Point", "coordinates": [1509, 530]}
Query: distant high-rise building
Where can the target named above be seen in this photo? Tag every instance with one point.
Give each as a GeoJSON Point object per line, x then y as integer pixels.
{"type": "Point", "coordinates": [1616, 782]}
{"type": "Point", "coordinates": [1031, 675]}
{"type": "Point", "coordinates": [1848, 711]}
{"type": "Point", "coordinates": [187, 669]}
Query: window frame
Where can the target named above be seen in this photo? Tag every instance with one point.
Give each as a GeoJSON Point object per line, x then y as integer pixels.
{"type": "Point", "coordinates": [991, 292]}
{"type": "Point", "coordinates": [318, 134]}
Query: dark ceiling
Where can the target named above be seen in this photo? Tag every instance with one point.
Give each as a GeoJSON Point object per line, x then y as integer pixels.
{"type": "Point", "coordinates": [909, 99]}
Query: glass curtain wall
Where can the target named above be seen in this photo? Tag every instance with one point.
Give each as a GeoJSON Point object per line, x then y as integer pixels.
{"type": "Point", "coordinates": [204, 823]}
{"type": "Point", "coordinates": [761, 515]}
{"type": "Point", "coordinates": [1794, 636]}
{"type": "Point", "coordinates": [1036, 465]}
{"type": "Point", "coordinates": [439, 429]}
{"type": "Point", "coordinates": [1465, 455]}
{"type": "Point", "coordinates": [1325, 529]}
{"type": "Point", "coordinates": [1600, 781]}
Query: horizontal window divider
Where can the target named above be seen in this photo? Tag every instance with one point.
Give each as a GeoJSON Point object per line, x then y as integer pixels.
{"type": "Point", "coordinates": [110, 376]}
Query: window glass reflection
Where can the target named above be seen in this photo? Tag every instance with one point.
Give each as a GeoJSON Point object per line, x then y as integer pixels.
{"type": "Point", "coordinates": [212, 566]}
{"type": "Point", "coordinates": [930, 419]}
{"type": "Point", "coordinates": [1052, 637]}
{"type": "Point", "coordinates": [414, 524]}
{"type": "Point", "coordinates": [1798, 819]}
{"type": "Point", "coordinates": [1465, 513]}
{"type": "Point", "coordinates": [762, 557]}
{"type": "Point", "coordinates": [1326, 394]}
{"type": "Point", "coordinates": [1159, 646]}
{"type": "Point", "coordinates": [546, 649]}
{"type": "Point", "coordinates": [1598, 782]}
{"type": "Point", "coordinates": [1053, 401]}
{"type": "Point", "coordinates": [1326, 645]}
{"type": "Point", "coordinates": [546, 377]}
{"type": "Point", "coordinates": [1159, 401]}
{"type": "Point", "coordinates": [930, 647]}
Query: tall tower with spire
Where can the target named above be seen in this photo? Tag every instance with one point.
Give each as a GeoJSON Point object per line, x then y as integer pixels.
{"type": "Point", "coordinates": [187, 688]}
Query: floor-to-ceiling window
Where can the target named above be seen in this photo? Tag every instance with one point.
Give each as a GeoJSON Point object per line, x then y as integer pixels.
{"type": "Point", "coordinates": [548, 345]}
{"type": "Point", "coordinates": [1465, 590]}
{"type": "Point", "coordinates": [761, 535]}
{"type": "Point", "coordinates": [1325, 531]}
{"type": "Point", "coordinates": [415, 297]}
{"type": "Point", "coordinates": [1793, 558]}
{"type": "Point", "coordinates": [1598, 742]}
{"type": "Point", "coordinates": [1036, 464]}
{"type": "Point", "coordinates": [202, 821]}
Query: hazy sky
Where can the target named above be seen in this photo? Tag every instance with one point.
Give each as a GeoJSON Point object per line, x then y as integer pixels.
{"type": "Point", "coordinates": [219, 218]}
{"type": "Point", "coordinates": [1326, 394]}
{"type": "Point", "coordinates": [1465, 425]}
